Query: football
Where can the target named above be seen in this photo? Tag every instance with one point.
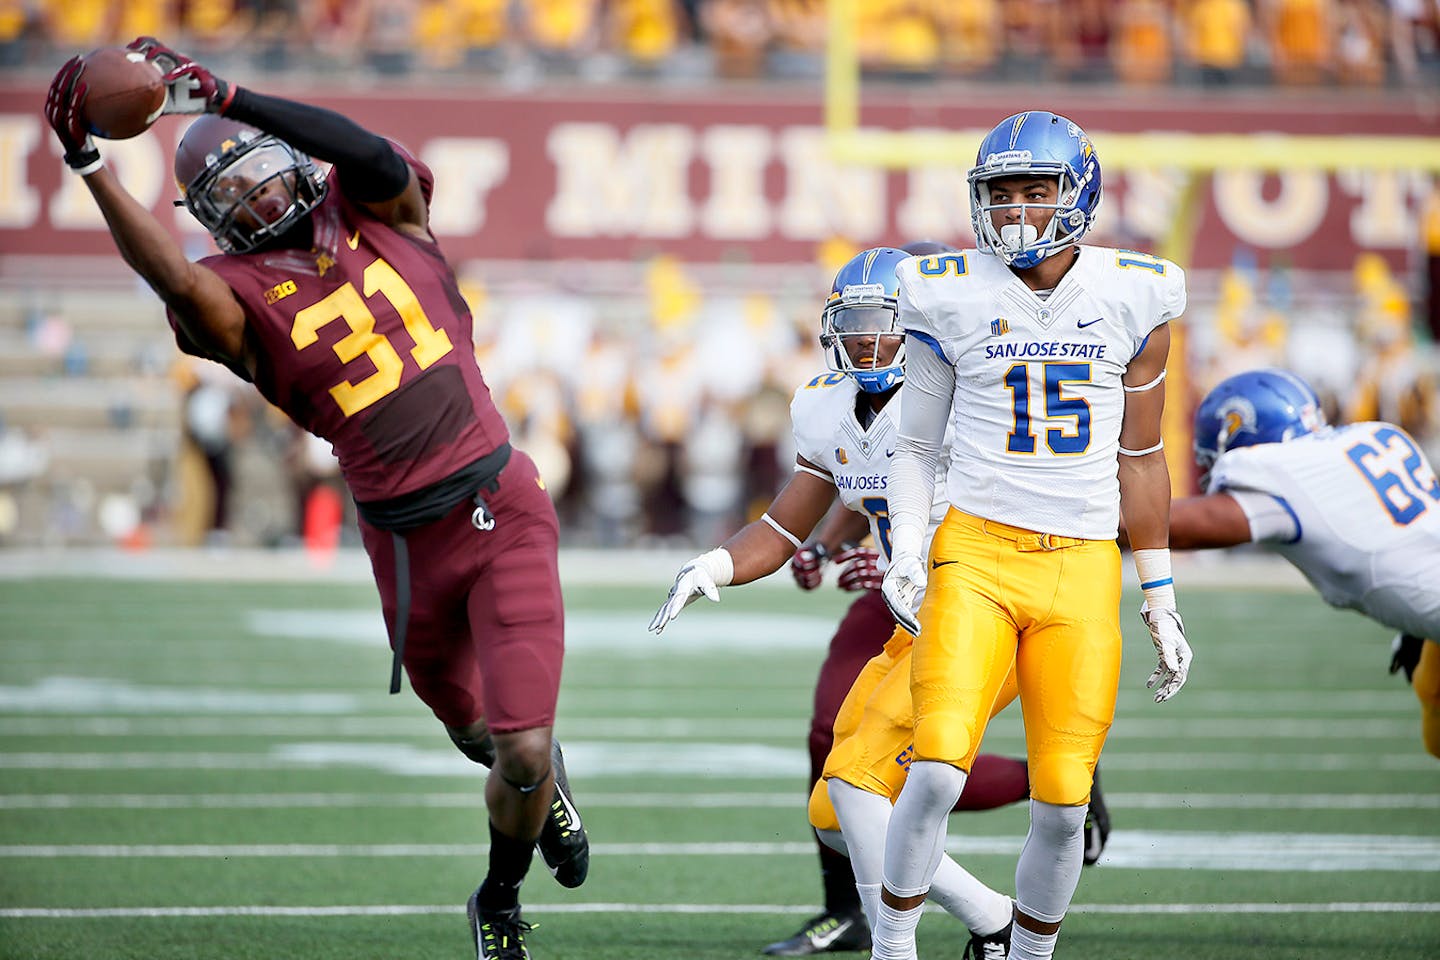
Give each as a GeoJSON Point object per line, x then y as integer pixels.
{"type": "Point", "coordinates": [124, 93]}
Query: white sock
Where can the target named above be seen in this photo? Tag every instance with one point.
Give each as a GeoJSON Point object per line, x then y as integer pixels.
{"type": "Point", "coordinates": [1028, 945]}
{"type": "Point", "coordinates": [870, 902]}
{"type": "Point", "coordinates": [863, 817]}
{"type": "Point", "coordinates": [915, 841]}
{"type": "Point", "coordinates": [1049, 866]}
{"type": "Point", "coordinates": [982, 910]}
{"type": "Point", "coordinates": [894, 935]}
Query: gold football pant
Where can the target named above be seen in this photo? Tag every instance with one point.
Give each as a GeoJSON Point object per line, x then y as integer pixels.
{"type": "Point", "coordinates": [1050, 604]}
{"type": "Point", "coordinates": [875, 730]}
{"type": "Point", "coordinates": [1426, 682]}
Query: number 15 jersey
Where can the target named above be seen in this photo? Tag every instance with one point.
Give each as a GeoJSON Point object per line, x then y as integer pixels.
{"type": "Point", "coordinates": [1038, 399]}
{"type": "Point", "coordinates": [364, 340]}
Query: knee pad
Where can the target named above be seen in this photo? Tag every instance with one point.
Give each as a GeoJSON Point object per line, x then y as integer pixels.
{"type": "Point", "coordinates": [1060, 780]}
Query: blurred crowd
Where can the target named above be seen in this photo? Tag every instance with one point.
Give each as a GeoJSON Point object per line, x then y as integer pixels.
{"type": "Point", "coordinates": [681, 433]}
{"type": "Point", "coordinates": [1188, 42]}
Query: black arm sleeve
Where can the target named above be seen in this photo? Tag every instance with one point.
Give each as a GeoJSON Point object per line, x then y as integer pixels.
{"type": "Point", "coordinates": [369, 168]}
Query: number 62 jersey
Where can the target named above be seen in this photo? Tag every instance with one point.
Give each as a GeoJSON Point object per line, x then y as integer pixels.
{"type": "Point", "coordinates": [1356, 509]}
{"type": "Point", "coordinates": [1038, 398]}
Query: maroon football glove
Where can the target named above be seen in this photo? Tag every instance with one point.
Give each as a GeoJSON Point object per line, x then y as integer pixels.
{"type": "Point", "coordinates": [859, 569]}
{"type": "Point", "coordinates": [63, 109]}
{"type": "Point", "coordinates": [189, 87]}
{"type": "Point", "coordinates": [808, 565]}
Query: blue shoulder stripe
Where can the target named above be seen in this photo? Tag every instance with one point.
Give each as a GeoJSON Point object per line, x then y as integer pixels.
{"type": "Point", "coordinates": [1299, 530]}
{"type": "Point", "coordinates": [930, 342]}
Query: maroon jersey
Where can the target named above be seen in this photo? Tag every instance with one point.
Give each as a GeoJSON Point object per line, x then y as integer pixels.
{"type": "Point", "coordinates": [365, 341]}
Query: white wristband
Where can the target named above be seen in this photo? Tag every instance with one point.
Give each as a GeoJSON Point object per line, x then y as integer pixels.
{"type": "Point", "coordinates": [719, 564]}
{"type": "Point", "coordinates": [88, 169]}
{"type": "Point", "coordinates": [1153, 568]}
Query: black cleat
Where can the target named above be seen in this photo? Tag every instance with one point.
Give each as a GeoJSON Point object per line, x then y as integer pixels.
{"type": "Point", "coordinates": [563, 843]}
{"type": "Point", "coordinates": [1097, 824]}
{"type": "Point", "coordinates": [497, 936]}
{"type": "Point", "coordinates": [825, 933]}
{"type": "Point", "coordinates": [994, 946]}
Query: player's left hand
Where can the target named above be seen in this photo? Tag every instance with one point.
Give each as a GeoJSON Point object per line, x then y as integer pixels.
{"type": "Point", "coordinates": [189, 87]}
{"type": "Point", "coordinates": [903, 584]}
{"type": "Point", "coordinates": [63, 109]}
{"type": "Point", "coordinates": [859, 569]}
{"type": "Point", "coordinates": [694, 580]}
{"type": "Point", "coordinates": [1167, 632]}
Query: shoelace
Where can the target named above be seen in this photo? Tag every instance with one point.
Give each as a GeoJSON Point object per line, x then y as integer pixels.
{"type": "Point", "coordinates": [506, 936]}
{"type": "Point", "coordinates": [562, 817]}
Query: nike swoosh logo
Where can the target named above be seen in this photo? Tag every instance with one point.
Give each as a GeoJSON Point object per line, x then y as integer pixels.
{"type": "Point", "coordinates": [353, 240]}
{"type": "Point", "coordinates": [822, 940]}
{"type": "Point", "coordinates": [889, 453]}
{"type": "Point", "coordinates": [937, 564]}
{"type": "Point", "coordinates": [1082, 326]}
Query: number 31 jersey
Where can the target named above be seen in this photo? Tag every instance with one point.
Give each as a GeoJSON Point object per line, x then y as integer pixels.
{"type": "Point", "coordinates": [829, 435]}
{"type": "Point", "coordinates": [365, 341]}
{"type": "Point", "coordinates": [1038, 399]}
{"type": "Point", "coordinates": [1365, 506]}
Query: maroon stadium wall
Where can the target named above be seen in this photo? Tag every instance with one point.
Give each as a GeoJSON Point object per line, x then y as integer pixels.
{"type": "Point", "coordinates": [628, 172]}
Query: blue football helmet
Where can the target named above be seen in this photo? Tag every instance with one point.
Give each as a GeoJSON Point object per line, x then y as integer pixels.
{"type": "Point", "coordinates": [1043, 144]}
{"type": "Point", "coordinates": [1258, 406]}
{"type": "Point", "coordinates": [862, 303]}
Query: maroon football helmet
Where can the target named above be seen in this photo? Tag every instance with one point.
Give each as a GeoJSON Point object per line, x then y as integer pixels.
{"type": "Point", "coordinates": [245, 186]}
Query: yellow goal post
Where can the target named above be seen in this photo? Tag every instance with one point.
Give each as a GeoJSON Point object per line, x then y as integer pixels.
{"type": "Point", "coordinates": [1195, 155]}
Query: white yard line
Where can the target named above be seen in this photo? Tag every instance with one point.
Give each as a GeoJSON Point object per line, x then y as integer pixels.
{"type": "Point", "coordinates": [1133, 849]}
{"type": "Point", "coordinates": [790, 799]}
{"type": "Point", "coordinates": [394, 910]}
{"type": "Point", "coordinates": [663, 728]}
{"type": "Point", "coordinates": [600, 759]}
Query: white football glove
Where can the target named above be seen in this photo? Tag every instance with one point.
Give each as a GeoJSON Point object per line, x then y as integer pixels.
{"type": "Point", "coordinates": [1167, 632]}
{"type": "Point", "coordinates": [903, 584]}
{"type": "Point", "coordinates": [704, 575]}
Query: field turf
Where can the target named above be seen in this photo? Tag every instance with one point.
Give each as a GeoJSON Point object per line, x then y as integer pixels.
{"type": "Point", "coordinates": [213, 770]}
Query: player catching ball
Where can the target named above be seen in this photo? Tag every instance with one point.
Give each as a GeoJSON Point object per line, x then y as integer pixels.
{"type": "Point", "coordinates": [332, 297]}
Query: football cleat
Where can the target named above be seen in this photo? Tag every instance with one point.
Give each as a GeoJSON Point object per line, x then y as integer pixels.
{"type": "Point", "coordinates": [497, 936]}
{"type": "Point", "coordinates": [563, 844]}
{"type": "Point", "coordinates": [994, 946]}
{"type": "Point", "coordinates": [825, 933]}
{"type": "Point", "coordinates": [1097, 824]}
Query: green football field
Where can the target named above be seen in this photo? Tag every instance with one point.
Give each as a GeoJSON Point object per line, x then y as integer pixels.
{"type": "Point", "coordinates": [213, 770]}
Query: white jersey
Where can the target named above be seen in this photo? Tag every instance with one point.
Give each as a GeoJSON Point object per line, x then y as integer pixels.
{"type": "Point", "coordinates": [1364, 506]}
{"type": "Point", "coordinates": [828, 434]}
{"type": "Point", "coordinates": [1038, 399]}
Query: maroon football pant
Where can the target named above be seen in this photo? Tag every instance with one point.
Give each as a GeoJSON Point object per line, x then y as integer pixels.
{"type": "Point", "coordinates": [486, 632]}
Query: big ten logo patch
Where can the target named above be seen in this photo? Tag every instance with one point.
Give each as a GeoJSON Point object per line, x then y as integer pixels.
{"type": "Point", "coordinates": [280, 291]}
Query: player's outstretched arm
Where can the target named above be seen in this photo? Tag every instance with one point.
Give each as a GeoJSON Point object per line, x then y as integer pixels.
{"type": "Point", "coordinates": [370, 170]}
{"type": "Point", "coordinates": [1203, 523]}
{"type": "Point", "coordinates": [1145, 505]}
{"type": "Point", "coordinates": [757, 550]}
{"type": "Point", "coordinates": [200, 300]}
